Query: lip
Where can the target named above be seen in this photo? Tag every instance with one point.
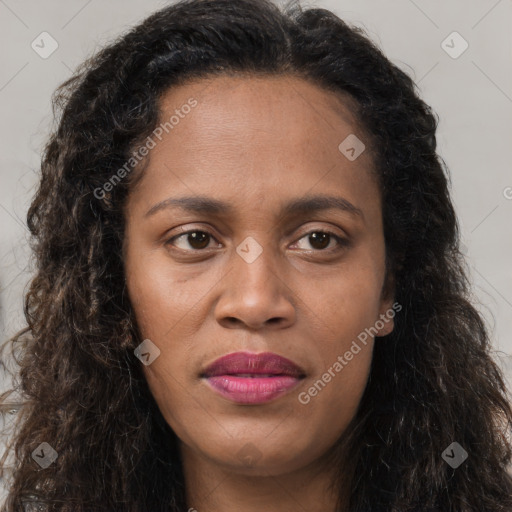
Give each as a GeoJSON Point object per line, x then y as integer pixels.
{"type": "Point", "coordinates": [249, 378]}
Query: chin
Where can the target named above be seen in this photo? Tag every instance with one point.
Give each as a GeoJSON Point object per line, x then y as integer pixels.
{"type": "Point", "coordinates": [255, 458]}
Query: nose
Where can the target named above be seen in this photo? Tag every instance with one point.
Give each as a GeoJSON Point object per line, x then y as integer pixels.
{"type": "Point", "coordinates": [255, 293]}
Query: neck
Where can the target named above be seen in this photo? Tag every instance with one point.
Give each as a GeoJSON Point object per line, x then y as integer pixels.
{"type": "Point", "coordinates": [214, 488]}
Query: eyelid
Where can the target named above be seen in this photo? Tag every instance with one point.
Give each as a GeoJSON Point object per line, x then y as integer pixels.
{"type": "Point", "coordinates": [184, 231]}
{"type": "Point", "coordinates": [341, 240]}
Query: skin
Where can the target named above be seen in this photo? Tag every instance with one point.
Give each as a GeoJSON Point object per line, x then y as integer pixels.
{"type": "Point", "coordinates": [256, 143]}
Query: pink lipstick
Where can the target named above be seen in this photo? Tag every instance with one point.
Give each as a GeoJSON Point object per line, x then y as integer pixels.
{"type": "Point", "coordinates": [247, 378]}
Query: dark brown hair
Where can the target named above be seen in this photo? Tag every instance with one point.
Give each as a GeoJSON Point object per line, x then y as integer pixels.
{"type": "Point", "coordinates": [432, 381]}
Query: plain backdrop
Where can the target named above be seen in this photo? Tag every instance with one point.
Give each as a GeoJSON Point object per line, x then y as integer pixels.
{"type": "Point", "coordinates": [471, 91]}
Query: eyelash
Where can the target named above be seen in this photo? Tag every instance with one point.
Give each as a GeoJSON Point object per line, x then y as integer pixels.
{"type": "Point", "coordinates": [342, 242]}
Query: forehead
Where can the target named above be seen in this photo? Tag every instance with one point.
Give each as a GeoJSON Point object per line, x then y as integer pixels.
{"type": "Point", "coordinates": [254, 138]}
{"type": "Point", "coordinates": [269, 100]}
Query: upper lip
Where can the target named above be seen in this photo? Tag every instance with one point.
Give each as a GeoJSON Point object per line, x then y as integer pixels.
{"type": "Point", "coordinates": [266, 363]}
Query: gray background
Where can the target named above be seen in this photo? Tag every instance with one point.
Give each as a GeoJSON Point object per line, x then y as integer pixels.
{"type": "Point", "coordinates": [471, 93]}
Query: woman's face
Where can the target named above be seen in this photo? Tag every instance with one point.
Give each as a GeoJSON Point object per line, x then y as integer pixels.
{"type": "Point", "coordinates": [255, 275]}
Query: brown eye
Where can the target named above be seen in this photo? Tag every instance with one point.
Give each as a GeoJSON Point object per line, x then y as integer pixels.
{"type": "Point", "coordinates": [196, 240]}
{"type": "Point", "coordinates": [320, 240]}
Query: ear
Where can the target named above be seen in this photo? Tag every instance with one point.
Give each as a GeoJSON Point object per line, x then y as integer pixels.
{"type": "Point", "coordinates": [388, 308]}
{"type": "Point", "coordinates": [385, 323]}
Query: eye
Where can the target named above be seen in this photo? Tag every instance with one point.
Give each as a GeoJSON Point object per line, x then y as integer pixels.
{"type": "Point", "coordinates": [320, 239]}
{"type": "Point", "coordinates": [196, 239]}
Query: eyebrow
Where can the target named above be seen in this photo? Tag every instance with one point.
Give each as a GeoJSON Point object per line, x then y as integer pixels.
{"type": "Point", "coordinates": [208, 205]}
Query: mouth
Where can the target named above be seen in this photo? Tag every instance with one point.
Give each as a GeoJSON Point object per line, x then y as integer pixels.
{"type": "Point", "coordinates": [248, 378]}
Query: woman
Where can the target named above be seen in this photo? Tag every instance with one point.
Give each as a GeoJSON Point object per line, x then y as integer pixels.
{"type": "Point", "coordinates": [249, 292]}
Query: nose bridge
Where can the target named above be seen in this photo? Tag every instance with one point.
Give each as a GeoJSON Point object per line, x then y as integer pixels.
{"type": "Point", "coordinates": [255, 262]}
{"type": "Point", "coordinates": [255, 291]}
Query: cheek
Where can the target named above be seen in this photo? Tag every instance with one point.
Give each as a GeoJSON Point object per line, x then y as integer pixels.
{"type": "Point", "coordinates": [160, 295]}
{"type": "Point", "coordinates": [348, 304]}
{"type": "Point", "coordinates": [332, 397]}
{"type": "Point", "coordinates": [177, 406]}
{"type": "Point", "coordinates": [165, 314]}
{"type": "Point", "coordinates": [342, 328]}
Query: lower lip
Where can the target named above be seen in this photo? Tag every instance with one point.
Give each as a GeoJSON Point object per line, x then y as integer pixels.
{"type": "Point", "coordinates": [248, 390]}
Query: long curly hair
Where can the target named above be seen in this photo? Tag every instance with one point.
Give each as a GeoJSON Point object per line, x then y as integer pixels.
{"type": "Point", "coordinates": [432, 381]}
